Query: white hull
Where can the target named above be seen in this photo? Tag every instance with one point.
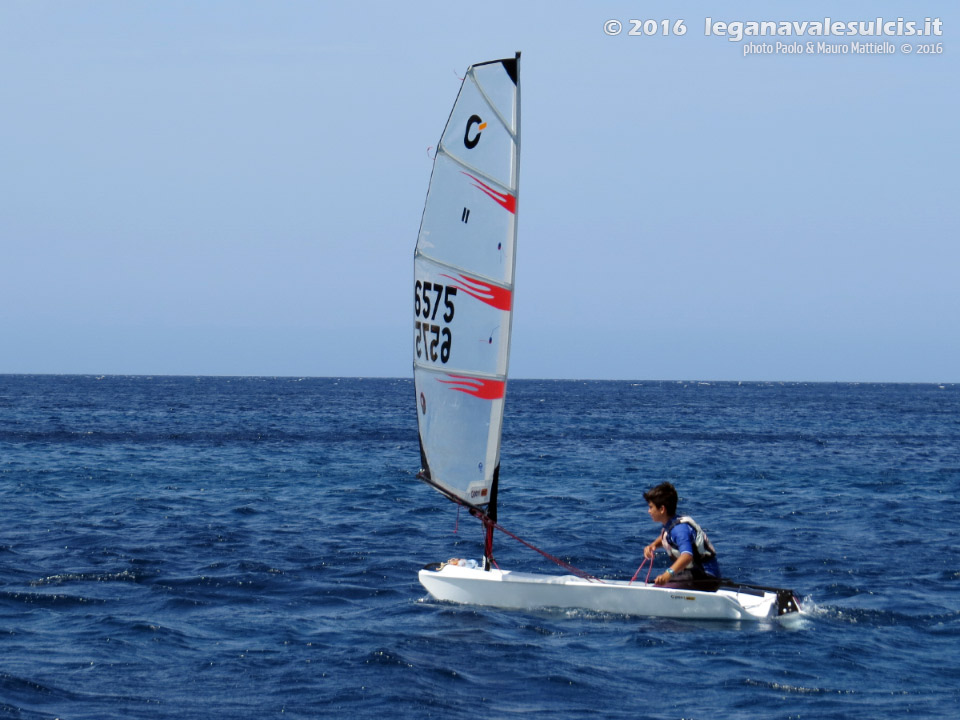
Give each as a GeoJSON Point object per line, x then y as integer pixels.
{"type": "Point", "coordinates": [527, 591]}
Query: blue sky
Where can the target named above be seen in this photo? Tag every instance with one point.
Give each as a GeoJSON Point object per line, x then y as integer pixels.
{"type": "Point", "coordinates": [235, 188]}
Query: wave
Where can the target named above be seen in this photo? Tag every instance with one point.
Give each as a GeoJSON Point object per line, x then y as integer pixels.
{"type": "Point", "coordinates": [63, 578]}
{"type": "Point", "coordinates": [797, 689]}
{"type": "Point", "coordinates": [54, 600]}
{"type": "Point", "coordinates": [27, 691]}
{"type": "Point", "coordinates": [878, 618]}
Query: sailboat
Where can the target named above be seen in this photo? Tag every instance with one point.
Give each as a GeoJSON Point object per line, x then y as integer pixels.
{"type": "Point", "coordinates": [463, 309]}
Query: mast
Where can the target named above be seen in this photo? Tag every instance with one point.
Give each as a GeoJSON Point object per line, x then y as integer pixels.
{"type": "Point", "coordinates": [491, 521]}
{"type": "Point", "coordinates": [515, 181]}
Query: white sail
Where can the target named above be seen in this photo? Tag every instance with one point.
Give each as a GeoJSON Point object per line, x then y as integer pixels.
{"type": "Point", "coordinates": [464, 279]}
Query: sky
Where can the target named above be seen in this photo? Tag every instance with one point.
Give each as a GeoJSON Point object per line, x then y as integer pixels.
{"type": "Point", "coordinates": [235, 188]}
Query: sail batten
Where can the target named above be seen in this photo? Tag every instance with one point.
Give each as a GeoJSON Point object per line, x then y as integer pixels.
{"type": "Point", "coordinates": [478, 171]}
{"type": "Point", "coordinates": [464, 285]}
{"type": "Point", "coordinates": [463, 270]}
{"type": "Point", "coordinates": [471, 373]}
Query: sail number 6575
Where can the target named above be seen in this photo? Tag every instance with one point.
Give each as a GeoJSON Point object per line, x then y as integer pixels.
{"type": "Point", "coordinates": [427, 300]}
{"type": "Point", "coordinates": [433, 340]}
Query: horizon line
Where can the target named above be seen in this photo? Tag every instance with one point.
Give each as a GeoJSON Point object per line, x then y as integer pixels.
{"type": "Point", "coordinates": [701, 381]}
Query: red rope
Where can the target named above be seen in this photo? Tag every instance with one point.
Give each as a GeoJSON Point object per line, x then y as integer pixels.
{"type": "Point", "coordinates": [558, 561]}
{"type": "Point", "coordinates": [649, 570]}
{"type": "Point", "coordinates": [476, 512]}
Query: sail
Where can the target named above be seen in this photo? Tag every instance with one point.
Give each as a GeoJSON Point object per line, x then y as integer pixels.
{"type": "Point", "coordinates": [464, 279]}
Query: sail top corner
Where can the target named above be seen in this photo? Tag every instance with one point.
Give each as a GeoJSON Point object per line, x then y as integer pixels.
{"type": "Point", "coordinates": [510, 65]}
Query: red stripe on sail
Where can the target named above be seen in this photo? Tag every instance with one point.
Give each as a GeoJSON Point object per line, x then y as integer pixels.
{"type": "Point", "coordinates": [478, 387]}
{"type": "Point", "coordinates": [493, 295]}
{"type": "Point", "coordinates": [505, 200]}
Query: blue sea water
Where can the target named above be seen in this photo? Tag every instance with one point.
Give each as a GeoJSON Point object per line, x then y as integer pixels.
{"type": "Point", "coordinates": [248, 548]}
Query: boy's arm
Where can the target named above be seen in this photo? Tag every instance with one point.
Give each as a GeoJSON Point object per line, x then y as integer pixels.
{"type": "Point", "coordinates": [678, 565]}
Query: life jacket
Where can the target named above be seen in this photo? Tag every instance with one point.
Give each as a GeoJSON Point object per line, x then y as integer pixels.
{"type": "Point", "coordinates": [703, 550]}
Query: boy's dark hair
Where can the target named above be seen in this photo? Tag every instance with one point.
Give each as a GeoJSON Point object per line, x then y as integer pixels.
{"type": "Point", "coordinates": [663, 495]}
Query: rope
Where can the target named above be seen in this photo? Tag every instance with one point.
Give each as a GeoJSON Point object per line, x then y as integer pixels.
{"type": "Point", "coordinates": [478, 513]}
{"type": "Point", "coordinates": [576, 571]}
{"type": "Point", "coordinates": [646, 580]}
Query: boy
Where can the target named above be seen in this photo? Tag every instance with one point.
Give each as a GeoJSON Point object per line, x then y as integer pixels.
{"type": "Point", "coordinates": [693, 558]}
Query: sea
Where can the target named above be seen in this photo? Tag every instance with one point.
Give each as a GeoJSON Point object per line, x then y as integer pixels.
{"type": "Point", "coordinates": [248, 547]}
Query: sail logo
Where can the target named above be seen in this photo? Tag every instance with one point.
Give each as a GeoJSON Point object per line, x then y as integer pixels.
{"type": "Point", "coordinates": [477, 122]}
{"type": "Point", "coordinates": [478, 491]}
{"type": "Point", "coordinates": [478, 387]}
{"type": "Point", "coordinates": [496, 297]}
{"type": "Point", "coordinates": [505, 200]}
